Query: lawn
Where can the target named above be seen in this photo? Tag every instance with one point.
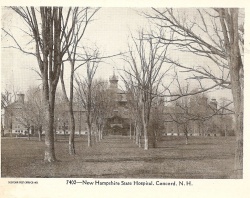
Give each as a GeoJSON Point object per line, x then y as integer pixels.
{"type": "Point", "coordinates": [118, 157]}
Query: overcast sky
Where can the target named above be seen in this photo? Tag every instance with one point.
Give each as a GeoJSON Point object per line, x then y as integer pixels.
{"type": "Point", "coordinates": [109, 31]}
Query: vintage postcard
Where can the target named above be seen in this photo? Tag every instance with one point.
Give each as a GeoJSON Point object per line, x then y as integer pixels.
{"type": "Point", "coordinates": [124, 99]}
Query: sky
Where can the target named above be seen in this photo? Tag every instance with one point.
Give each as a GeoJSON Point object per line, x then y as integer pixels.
{"type": "Point", "coordinates": [110, 32]}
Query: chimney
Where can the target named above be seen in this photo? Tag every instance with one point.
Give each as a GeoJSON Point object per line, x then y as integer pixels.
{"type": "Point", "coordinates": [20, 98]}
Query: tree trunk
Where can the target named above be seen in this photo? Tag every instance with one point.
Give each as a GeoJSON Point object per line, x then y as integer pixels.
{"type": "Point", "coordinates": [49, 99]}
{"type": "Point", "coordinates": [89, 135]}
{"type": "Point", "coordinates": [72, 118]}
{"type": "Point", "coordinates": [80, 122]}
{"type": "Point", "coordinates": [71, 146]}
{"type": "Point", "coordinates": [55, 135]}
{"type": "Point", "coordinates": [64, 128]}
{"type": "Point", "coordinates": [89, 139]}
{"type": "Point", "coordinates": [11, 128]}
{"type": "Point", "coordinates": [28, 133]}
{"type": "Point", "coordinates": [99, 133]}
{"type": "Point", "coordinates": [69, 102]}
{"type": "Point", "coordinates": [144, 126]}
{"type": "Point", "coordinates": [40, 134]}
{"type": "Point", "coordinates": [72, 132]}
{"type": "Point", "coordinates": [102, 131]}
{"type": "Point", "coordinates": [135, 125]}
{"type": "Point", "coordinates": [95, 134]}
{"type": "Point", "coordinates": [238, 108]}
{"type": "Point", "coordinates": [49, 137]}
{"type": "Point", "coordinates": [186, 136]}
{"type": "Point", "coordinates": [2, 130]}
{"type": "Point", "coordinates": [154, 138]}
{"type": "Point", "coordinates": [145, 140]}
{"type": "Point", "coordinates": [230, 27]}
{"type": "Point", "coordinates": [137, 135]}
{"type": "Point", "coordinates": [130, 130]}
{"type": "Point", "coordinates": [139, 140]}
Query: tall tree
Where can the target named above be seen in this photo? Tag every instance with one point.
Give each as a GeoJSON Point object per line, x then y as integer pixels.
{"type": "Point", "coordinates": [145, 67]}
{"type": "Point", "coordinates": [215, 34]}
{"type": "Point", "coordinates": [84, 16]}
{"type": "Point", "coordinates": [133, 105]}
{"type": "Point", "coordinates": [33, 110]}
{"type": "Point", "coordinates": [156, 124]}
{"type": "Point", "coordinates": [47, 27]}
{"type": "Point", "coordinates": [85, 89]}
{"type": "Point", "coordinates": [103, 106]}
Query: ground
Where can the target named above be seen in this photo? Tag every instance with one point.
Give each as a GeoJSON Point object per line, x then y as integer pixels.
{"type": "Point", "coordinates": [119, 157]}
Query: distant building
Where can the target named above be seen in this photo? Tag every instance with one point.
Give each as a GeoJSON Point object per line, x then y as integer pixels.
{"type": "Point", "coordinates": [205, 119]}
{"type": "Point", "coordinates": [118, 122]}
{"type": "Point", "coordinates": [12, 115]}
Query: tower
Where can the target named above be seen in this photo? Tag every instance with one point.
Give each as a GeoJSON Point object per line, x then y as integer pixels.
{"type": "Point", "coordinates": [113, 80]}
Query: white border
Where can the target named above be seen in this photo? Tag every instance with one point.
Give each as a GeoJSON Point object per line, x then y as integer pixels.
{"type": "Point", "coordinates": [202, 187]}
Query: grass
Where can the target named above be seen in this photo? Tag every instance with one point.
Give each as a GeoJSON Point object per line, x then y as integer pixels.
{"type": "Point", "coordinates": [118, 157]}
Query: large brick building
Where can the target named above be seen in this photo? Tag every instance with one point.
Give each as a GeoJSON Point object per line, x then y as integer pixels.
{"type": "Point", "coordinates": [12, 117]}
{"type": "Point", "coordinates": [118, 121]}
{"type": "Point", "coordinates": [204, 118]}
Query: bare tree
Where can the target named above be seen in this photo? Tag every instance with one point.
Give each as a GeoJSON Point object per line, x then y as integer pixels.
{"type": "Point", "coordinates": [145, 64]}
{"type": "Point", "coordinates": [195, 114]}
{"type": "Point", "coordinates": [8, 96]}
{"type": "Point", "coordinates": [180, 114]}
{"type": "Point", "coordinates": [6, 100]}
{"type": "Point", "coordinates": [34, 109]}
{"type": "Point", "coordinates": [132, 91]}
{"type": "Point", "coordinates": [215, 34]}
{"type": "Point", "coordinates": [103, 106]}
{"type": "Point", "coordinates": [84, 16]}
{"type": "Point", "coordinates": [23, 117]}
{"type": "Point", "coordinates": [47, 28]}
{"type": "Point", "coordinates": [225, 122]}
{"type": "Point", "coordinates": [85, 89]}
{"type": "Point", "coordinates": [156, 124]}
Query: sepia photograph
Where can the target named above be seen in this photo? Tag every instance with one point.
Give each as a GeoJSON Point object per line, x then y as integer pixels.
{"type": "Point", "coordinates": [145, 95]}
